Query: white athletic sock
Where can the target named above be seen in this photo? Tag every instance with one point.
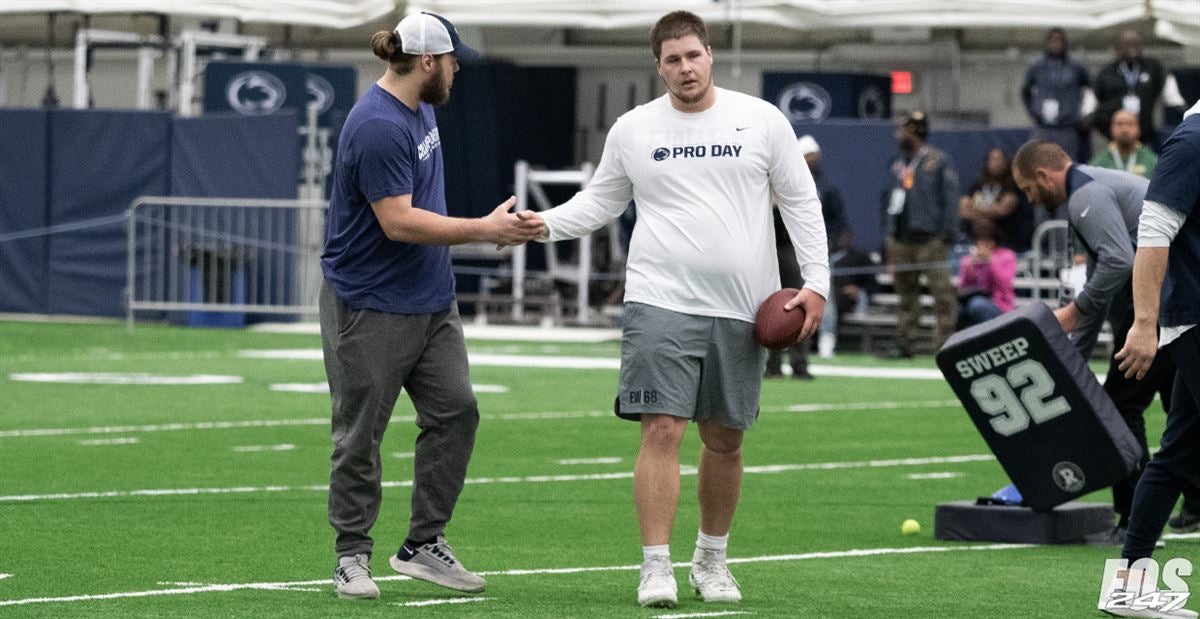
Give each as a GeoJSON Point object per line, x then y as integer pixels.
{"type": "Point", "coordinates": [712, 546]}
{"type": "Point", "coordinates": [650, 552]}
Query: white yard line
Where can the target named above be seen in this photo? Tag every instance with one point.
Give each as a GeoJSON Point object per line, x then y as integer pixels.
{"type": "Point", "coordinates": [323, 388]}
{"type": "Point", "coordinates": [116, 378]}
{"type": "Point", "coordinates": [260, 448]}
{"type": "Point", "coordinates": [126, 440]}
{"type": "Point", "coordinates": [3, 576]}
{"type": "Point", "coordinates": [167, 427]}
{"type": "Point", "coordinates": [532, 416]}
{"type": "Point", "coordinates": [939, 475]}
{"type": "Point", "coordinates": [481, 332]}
{"type": "Point", "coordinates": [285, 586]}
{"type": "Point", "coordinates": [864, 406]}
{"type": "Point", "coordinates": [442, 601]}
{"type": "Point", "coordinates": [574, 461]}
{"type": "Point", "coordinates": [722, 613]}
{"type": "Point", "coordinates": [603, 363]}
{"type": "Point", "coordinates": [531, 479]}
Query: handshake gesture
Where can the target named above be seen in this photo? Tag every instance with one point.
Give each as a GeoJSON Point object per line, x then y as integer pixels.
{"type": "Point", "coordinates": [504, 228]}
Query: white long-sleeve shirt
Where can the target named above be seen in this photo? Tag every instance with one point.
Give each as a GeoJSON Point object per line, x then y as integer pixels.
{"type": "Point", "coordinates": [703, 183]}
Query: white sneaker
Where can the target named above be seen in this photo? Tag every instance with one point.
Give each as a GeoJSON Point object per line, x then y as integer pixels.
{"type": "Point", "coordinates": [435, 563]}
{"type": "Point", "coordinates": [1118, 586]}
{"type": "Point", "coordinates": [1179, 613]}
{"type": "Point", "coordinates": [711, 580]}
{"type": "Point", "coordinates": [658, 588]}
{"type": "Point", "coordinates": [352, 578]}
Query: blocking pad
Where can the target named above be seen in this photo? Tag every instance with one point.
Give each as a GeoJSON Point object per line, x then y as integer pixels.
{"type": "Point", "coordinates": [1039, 407]}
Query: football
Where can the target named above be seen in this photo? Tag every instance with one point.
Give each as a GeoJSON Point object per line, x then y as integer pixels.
{"type": "Point", "coordinates": [773, 326]}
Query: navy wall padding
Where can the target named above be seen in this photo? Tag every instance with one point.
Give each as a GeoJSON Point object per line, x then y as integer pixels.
{"type": "Point", "coordinates": [23, 207]}
{"type": "Point", "coordinates": [235, 156]}
{"type": "Point", "coordinates": [498, 114]}
{"type": "Point", "coordinates": [99, 162]}
{"type": "Point", "coordinates": [855, 156]}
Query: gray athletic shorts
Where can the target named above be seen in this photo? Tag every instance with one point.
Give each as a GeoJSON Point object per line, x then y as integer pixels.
{"type": "Point", "coordinates": [696, 367]}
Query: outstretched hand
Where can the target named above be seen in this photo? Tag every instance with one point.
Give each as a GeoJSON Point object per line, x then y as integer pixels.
{"type": "Point", "coordinates": [504, 228]}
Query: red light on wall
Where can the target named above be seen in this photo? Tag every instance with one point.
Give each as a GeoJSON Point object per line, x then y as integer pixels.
{"type": "Point", "coordinates": [901, 82]}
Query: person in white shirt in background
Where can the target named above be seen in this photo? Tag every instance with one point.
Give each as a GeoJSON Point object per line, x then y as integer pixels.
{"type": "Point", "coordinates": [703, 164]}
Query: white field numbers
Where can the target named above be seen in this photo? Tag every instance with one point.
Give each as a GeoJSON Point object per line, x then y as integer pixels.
{"type": "Point", "coordinates": [1018, 398]}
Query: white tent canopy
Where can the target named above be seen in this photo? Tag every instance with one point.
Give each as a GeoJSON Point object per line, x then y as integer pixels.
{"type": "Point", "coordinates": [326, 13]}
{"type": "Point", "coordinates": [1177, 20]}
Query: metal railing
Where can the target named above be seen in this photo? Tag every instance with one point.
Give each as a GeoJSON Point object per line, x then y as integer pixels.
{"type": "Point", "coordinates": [223, 255]}
{"type": "Point", "coordinates": [1049, 255]}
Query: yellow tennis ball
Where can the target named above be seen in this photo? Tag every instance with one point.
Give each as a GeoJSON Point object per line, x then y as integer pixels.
{"type": "Point", "coordinates": [910, 527]}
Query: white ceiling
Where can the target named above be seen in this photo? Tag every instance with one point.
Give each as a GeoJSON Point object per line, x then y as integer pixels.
{"type": "Point", "coordinates": [767, 25]}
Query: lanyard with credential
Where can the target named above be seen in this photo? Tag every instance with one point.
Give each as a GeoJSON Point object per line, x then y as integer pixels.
{"type": "Point", "coordinates": [1131, 76]}
{"type": "Point", "coordinates": [908, 173]}
{"type": "Point", "coordinates": [1124, 165]}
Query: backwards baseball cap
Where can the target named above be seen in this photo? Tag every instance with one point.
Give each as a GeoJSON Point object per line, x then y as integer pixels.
{"type": "Point", "coordinates": [808, 145]}
{"type": "Point", "coordinates": [427, 33]}
{"type": "Point", "coordinates": [918, 121]}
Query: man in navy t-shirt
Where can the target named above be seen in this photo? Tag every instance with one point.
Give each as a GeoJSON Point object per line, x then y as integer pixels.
{"type": "Point", "coordinates": [1166, 295]}
{"type": "Point", "coordinates": [388, 315]}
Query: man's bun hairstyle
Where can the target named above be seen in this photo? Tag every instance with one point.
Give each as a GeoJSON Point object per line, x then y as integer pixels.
{"type": "Point", "coordinates": [386, 45]}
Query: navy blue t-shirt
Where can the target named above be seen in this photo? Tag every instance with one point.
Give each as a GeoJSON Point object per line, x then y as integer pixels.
{"type": "Point", "coordinates": [386, 149]}
{"type": "Point", "coordinates": [1176, 185]}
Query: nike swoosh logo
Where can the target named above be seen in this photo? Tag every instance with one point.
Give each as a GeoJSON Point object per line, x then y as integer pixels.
{"type": "Point", "coordinates": [1084, 212]}
{"type": "Point", "coordinates": [740, 128]}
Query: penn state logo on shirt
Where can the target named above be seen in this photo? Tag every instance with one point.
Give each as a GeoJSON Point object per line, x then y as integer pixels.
{"type": "Point", "coordinates": [320, 93]}
{"type": "Point", "coordinates": [805, 102]}
{"type": "Point", "coordinates": [696, 151]}
{"type": "Point", "coordinates": [255, 93]}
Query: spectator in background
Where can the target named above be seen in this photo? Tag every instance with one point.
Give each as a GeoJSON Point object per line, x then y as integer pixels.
{"type": "Point", "coordinates": [985, 284]}
{"type": "Point", "coordinates": [1134, 83]}
{"type": "Point", "coordinates": [834, 213]}
{"type": "Point", "coordinates": [995, 198]}
{"type": "Point", "coordinates": [1058, 97]}
{"type": "Point", "coordinates": [1125, 151]}
{"type": "Point", "coordinates": [922, 219]}
{"type": "Point", "coordinates": [833, 209]}
{"type": "Point", "coordinates": [853, 280]}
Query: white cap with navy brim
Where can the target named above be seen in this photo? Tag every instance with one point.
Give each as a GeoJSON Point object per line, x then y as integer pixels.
{"type": "Point", "coordinates": [427, 33]}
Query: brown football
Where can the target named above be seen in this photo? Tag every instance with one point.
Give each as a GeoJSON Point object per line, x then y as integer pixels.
{"type": "Point", "coordinates": [773, 326]}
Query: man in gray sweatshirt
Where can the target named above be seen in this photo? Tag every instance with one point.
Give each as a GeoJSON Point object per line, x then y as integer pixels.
{"type": "Point", "coordinates": [1103, 210]}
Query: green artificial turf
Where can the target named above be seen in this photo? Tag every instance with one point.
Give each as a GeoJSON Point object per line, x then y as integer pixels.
{"type": "Point", "coordinates": [190, 501]}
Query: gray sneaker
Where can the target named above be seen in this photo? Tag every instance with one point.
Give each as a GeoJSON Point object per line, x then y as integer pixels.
{"type": "Point", "coordinates": [435, 563]}
{"type": "Point", "coordinates": [352, 578]}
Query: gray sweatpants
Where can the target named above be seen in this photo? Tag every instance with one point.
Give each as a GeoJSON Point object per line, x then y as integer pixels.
{"type": "Point", "coordinates": [369, 356]}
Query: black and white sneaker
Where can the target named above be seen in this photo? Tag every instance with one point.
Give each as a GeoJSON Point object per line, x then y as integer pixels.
{"type": "Point", "coordinates": [1185, 521]}
{"type": "Point", "coordinates": [352, 578]}
{"type": "Point", "coordinates": [435, 562]}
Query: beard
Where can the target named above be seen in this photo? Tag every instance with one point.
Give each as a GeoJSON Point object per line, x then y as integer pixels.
{"type": "Point", "coordinates": [435, 91]}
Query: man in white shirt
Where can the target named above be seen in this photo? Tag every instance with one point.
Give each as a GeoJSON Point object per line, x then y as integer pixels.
{"type": "Point", "coordinates": [702, 164]}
